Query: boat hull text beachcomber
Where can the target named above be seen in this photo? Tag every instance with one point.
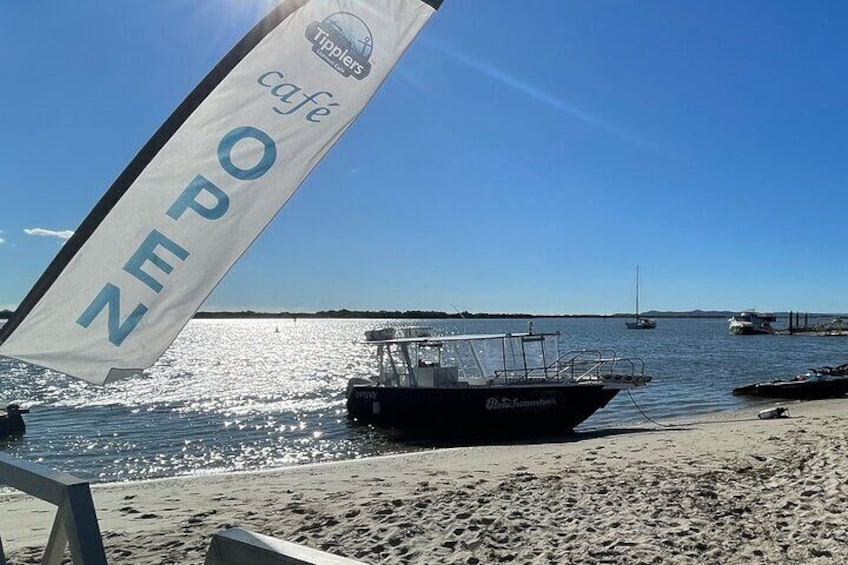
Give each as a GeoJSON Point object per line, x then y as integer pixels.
{"type": "Point", "coordinates": [485, 383]}
{"type": "Point", "coordinates": [553, 408]}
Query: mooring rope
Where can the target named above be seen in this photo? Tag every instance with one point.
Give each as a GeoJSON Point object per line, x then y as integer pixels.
{"type": "Point", "coordinates": [644, 415]}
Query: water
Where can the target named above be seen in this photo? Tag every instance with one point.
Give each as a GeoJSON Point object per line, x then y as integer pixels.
{"type": "Point", "coordinates": [234, 395]}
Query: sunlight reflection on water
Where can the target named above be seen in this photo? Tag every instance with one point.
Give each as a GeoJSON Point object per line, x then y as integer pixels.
{"type": "Point", "coordinates": [258, 394]}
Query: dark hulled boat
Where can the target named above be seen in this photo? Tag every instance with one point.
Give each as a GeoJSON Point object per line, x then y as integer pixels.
{"type": "Point", "coordinates": [815, 384]}
{"type": "Point", "coordinates": [485, 384]}
{"type": "Point", "coordinates": [11, 421]}
{"type": "Point", "coordinates": [500, 410]}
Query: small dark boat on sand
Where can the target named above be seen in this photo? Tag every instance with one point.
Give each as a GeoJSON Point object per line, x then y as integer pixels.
{"type": "Point", "coordinates": [824, 382]}
{"type": "Point", "coordinates": [11, 421]}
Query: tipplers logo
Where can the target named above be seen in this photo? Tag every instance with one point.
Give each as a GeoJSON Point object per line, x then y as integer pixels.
{"type": "Point", "coordinates": [344, 42]}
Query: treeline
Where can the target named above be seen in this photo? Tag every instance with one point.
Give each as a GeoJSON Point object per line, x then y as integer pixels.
{"type": "Point", "coordinates": [385, 314]}
{"type": "Point", "coordinates": [361, 314]}
{"type": "Point", "coordinates": [435, 315]}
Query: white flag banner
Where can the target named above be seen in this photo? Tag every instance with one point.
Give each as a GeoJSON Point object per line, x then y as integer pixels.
{"type": "Point", "coordinates": [207, 183]}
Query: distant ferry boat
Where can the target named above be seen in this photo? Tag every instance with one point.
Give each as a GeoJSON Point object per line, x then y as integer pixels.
{"type": "Point", "coordinates": [751, 323]}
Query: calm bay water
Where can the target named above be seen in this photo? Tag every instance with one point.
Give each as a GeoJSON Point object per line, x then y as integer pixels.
{"type": "Point", "coordinates": [258, 394]}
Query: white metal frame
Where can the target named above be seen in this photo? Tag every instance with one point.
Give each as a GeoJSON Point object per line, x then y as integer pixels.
{"type": "Point", "coordinates": [237, 546]}
{"type": "Point", "coordinates": [76, 521]}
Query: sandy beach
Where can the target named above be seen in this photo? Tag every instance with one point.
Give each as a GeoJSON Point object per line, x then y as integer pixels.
{"type": "Point", "coordinates": [727, 488]}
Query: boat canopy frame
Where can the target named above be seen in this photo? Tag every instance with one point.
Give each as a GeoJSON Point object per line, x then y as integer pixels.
{"type": "Point", "coordinates": [417, 361]}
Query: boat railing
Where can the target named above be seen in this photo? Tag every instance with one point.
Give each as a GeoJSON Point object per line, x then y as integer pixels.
{"type": "Point", "coordinates": [597, 365]}
{"type": "Point", "coordinates": [585, 365]}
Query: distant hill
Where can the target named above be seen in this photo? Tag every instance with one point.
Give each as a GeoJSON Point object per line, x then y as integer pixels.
{"type": "Point", "coordinates": [729, 313]}
{"type": "Point", "coordinates": [687, 314]}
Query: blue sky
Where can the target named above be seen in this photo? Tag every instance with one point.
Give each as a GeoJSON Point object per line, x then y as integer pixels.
{"type": "Point", "coordinates": [522, 157]}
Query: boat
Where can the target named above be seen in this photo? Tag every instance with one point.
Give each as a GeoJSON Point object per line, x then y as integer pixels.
{"type": "Point", "coordinates": [11, 421]}
{"type": "Point", "coordinates": [835, 327]}
{"type": "Point", "coordinates": [822, 382]}
{"type": "Point", "coordinates": [640, 323]}
{"type": "Point", "coordinates": [485, 383]}
{"type": "Point", "coordinates": [751, 323]}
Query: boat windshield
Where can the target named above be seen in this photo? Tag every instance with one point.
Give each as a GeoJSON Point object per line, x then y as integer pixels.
{"type": "Point", "coordinates": [474, 361]}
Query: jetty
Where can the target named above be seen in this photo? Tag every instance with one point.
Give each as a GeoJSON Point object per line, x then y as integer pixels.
{"type": "Point", "coordinates": [800, 324]}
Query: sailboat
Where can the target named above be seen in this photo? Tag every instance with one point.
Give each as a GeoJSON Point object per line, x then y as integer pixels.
{"type": "Point", "coordinates": [640, 323]}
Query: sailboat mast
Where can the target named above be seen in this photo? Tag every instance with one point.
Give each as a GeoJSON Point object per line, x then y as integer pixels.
{"type": "Point", "coordinates": [637, 293]}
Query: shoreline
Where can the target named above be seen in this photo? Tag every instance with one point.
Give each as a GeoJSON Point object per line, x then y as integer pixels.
{"type": "Point", "coordinates": [344, 314]}
{"type": "Point", "coordinates": [427, 446]}
{"type": "Point", "coordinates": [709, 488]}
